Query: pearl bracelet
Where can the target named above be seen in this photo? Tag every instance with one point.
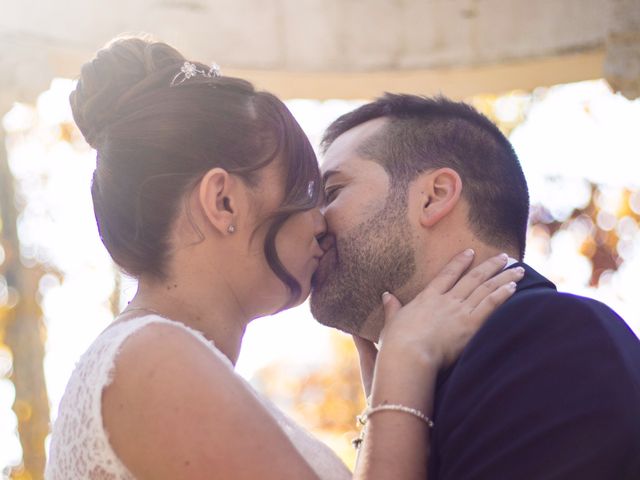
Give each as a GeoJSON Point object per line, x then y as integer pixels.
{"type": "Point", "coordinates": [363, 418]}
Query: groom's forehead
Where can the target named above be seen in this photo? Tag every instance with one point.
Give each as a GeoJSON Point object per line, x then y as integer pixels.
{"type": "Point", "coordinates": [355, 169]}
{"type": "Point", "coordinates": [347, 167]}
{"type": "Point", "coordinates": [344, 151]}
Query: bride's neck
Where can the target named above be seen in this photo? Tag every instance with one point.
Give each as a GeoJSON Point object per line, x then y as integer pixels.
{"type": "Point", "coordinates": [212, 309]}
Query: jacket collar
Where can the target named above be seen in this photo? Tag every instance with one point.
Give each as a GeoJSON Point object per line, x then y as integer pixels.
{"type": "Point", "coordinates": [532, 279]}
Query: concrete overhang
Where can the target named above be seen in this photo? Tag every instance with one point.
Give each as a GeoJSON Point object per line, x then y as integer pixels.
{"type": "Point", "coordinates": [339, 48]}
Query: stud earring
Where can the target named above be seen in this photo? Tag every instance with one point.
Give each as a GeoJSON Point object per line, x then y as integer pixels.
{"type": "Point", "coordinates": [231, 229]}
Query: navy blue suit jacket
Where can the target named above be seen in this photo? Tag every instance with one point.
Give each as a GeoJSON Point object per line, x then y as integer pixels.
{"type": "Point", "coordinates": [549, 388]}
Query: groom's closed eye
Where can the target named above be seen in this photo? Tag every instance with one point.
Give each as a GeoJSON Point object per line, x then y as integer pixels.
{"type": "Point", "coordinates": [331, 193]}
{"type": "Point", "coordinates": [336, 178]}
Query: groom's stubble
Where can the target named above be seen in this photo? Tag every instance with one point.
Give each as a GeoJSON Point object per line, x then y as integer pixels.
{"type": "Point", "coordinates": [373, 257]}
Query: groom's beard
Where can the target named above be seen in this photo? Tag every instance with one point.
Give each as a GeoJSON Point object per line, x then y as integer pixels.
{"type": "Point", "coordinates": [376, 257]}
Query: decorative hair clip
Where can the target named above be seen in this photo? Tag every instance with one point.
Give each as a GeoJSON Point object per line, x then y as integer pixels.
{"type": "Point", "coordinates": [190, 70]}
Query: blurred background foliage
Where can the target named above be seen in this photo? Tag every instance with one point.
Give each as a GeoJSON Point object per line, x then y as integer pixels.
{"type": "Point", "coordinates": [36, 226]}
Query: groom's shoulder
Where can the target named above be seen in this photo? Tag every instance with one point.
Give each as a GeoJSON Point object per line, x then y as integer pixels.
{"type": "Point", "coordinates": [548, 311]}
{"type": "Point", "coordinates": [553, 337]}
{"type": "Point", "coordinates": [538, 305]}
{"type": "Point", "coordinates": [543, 326]}
{"type": "Point", "coordinates": [561, 368]}
{"type": "Point", "coordinates": [545, 346]}
{"type": "Point", "coordinates": [538, 308]}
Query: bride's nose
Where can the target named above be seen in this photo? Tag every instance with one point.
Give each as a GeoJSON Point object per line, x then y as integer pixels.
{"type": "Point", "coordinates": [324, 238]}
{"type": "Point", "coordinates": [319, 223]}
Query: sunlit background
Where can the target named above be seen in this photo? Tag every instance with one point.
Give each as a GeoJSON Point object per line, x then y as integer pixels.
{"type": "Point", "coordinates": [580, 150]}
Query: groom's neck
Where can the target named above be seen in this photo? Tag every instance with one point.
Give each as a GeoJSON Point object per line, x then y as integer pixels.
{"type": "Point", "coordinates": [429, 264]}
{"type": "Point", "coordinates": [434, 264]}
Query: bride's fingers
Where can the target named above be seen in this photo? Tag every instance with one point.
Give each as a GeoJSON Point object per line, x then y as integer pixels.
{"type": "Point", "coordinates": [491, 302]}
{"type": "Point", "coordinates": [493, 284]}
{"type": "Point", "coordinates": [451, 273]}
{"type": "Point", "coordinates": [478, 276]}
{"type": "Point", "coordinates": [391, 305]}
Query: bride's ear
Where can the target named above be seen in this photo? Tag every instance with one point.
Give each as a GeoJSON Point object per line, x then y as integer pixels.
{"type": "Point", "coordinates": [218, 198]}
{"type": "Point", "coordinates": [440, 192]}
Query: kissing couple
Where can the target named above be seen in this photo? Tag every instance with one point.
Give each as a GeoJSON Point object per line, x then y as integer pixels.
{"type": "Point", "coordinates": [411, 239]}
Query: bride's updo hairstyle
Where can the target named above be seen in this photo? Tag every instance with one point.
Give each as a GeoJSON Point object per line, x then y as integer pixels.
{"type": "Point", "coordinates": [155, 141]}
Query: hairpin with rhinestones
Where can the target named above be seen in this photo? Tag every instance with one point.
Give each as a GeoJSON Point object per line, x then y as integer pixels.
{"type": "Point", "coordinates": [190, 70]}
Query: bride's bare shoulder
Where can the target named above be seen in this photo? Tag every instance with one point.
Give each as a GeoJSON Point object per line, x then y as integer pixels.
{"type": "Point", "coordinates": [176, 409]}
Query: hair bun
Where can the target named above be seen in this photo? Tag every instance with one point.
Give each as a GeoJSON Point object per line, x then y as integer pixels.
{"type": "Point", "coordinates": [116, 69]}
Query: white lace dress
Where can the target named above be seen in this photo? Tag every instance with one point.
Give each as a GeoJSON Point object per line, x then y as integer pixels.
{"type": "Point", "coordinates": [80, 446]}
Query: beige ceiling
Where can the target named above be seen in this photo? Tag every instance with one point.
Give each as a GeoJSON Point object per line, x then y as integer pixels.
{"type": "Point", "coordinates": [339, 48]}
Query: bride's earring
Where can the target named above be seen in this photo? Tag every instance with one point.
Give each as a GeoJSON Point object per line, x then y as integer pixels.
{"type": "Point", "coordinates": [231, 228]}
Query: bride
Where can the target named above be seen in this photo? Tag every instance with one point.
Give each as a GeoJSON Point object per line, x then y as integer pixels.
{"type": "Point", "coordinates": [208, 193]}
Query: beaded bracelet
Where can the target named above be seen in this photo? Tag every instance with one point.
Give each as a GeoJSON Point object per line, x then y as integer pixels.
{"type": "Point", "coordinates": [363, 418]}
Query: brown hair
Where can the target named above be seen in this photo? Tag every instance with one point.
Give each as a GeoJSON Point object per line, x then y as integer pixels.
{"type": "Point", "coordinates": [422, 133]}
{"type": "Point", "coordinates": [155, 141]}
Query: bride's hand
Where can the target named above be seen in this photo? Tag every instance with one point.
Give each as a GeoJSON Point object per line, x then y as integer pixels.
{"type": "Point", "coordinates": [437, 324]}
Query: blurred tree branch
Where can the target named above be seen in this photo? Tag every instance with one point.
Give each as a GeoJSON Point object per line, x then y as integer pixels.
{"type": "Point", "coordinates": [24, 334]}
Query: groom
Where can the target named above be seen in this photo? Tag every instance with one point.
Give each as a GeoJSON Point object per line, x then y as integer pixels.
{"type": "Point", "coordinates": [549, 388]}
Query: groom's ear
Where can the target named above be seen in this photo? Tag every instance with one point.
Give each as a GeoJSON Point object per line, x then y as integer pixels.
{"type": "Point", "coordinates": [440, 192]}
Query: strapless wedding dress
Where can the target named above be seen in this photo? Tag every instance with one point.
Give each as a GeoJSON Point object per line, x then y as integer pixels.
{"type": "Point", "coordinates": [80, 446]}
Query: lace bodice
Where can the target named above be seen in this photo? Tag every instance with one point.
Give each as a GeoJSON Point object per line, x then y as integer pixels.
{"type": "Point", "coordinates": [80, 446]}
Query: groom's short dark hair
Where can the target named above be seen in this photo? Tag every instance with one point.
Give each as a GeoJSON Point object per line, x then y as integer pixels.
{"type": "Point", "coordinates": [424, 133]}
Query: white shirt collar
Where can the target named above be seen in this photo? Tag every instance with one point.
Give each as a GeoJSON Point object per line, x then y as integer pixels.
{"type": "Point", "coordinates": [511, 261]}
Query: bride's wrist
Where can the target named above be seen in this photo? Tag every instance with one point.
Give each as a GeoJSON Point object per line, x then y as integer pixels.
{"type": "Point", "coordinates": [404, 379]}
{"type": "Point", "coordinates": [404, 365]}
{"type": "Point", "coordinates": [411, 355]}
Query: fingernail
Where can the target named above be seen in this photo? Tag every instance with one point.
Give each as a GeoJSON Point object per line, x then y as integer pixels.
{"type": "Point", "coordinates": [504, 257]}
{"type": "Point", "coordinates": [385, 297]}
{"type": "Point", "coordinates": [469, 252]}
{"type": "Point", "coordinates": [511, 286]}
{"type": "Point", "coordinates": [519, 270]}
